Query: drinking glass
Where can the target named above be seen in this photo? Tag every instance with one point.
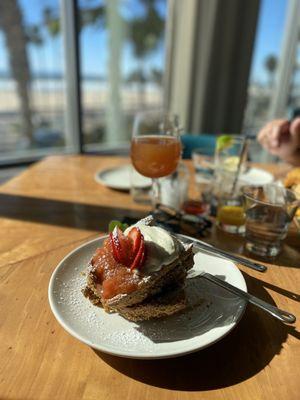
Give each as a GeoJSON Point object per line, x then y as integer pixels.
{"type": "Point", "coordinates": [230, 161]}
{"type": "Point", "coordinates": [140, 187]}
{"type": "Point", "coordinates": [155, 147]}
{"type": "Point", "coordinates": [204, 177]}
{"type": "Point", "coordinates": [230, 214]}
{"type": "Point", "coordinates": [227, 153]}
{"type": "Point", "coordinates": [269, 210]}
{"type": "Point", "coordinates": [204, 169]}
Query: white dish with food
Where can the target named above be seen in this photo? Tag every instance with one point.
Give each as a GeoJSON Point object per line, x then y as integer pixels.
{"type": "Point", "coordinates": [211, 313]}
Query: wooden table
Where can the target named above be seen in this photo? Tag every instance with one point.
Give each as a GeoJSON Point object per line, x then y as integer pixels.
{"type": "Point", "coordinates": [56, 205]}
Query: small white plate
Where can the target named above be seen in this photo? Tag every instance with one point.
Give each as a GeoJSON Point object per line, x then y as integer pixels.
{"type": "Point", "coordinates": [119, 178]}
{"type": "Point", "coordinates": [214, 314]}
{"type": "Point", "coordinates": [256, 176]}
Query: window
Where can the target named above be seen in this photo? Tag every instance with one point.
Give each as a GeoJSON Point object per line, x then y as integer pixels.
{"type": "Point", "coordinates": [294, 98]}
{"type": "Point", "coordinates": [122, 50]}
{"type": "Point", "coordinates": [31, 79]}
{"type": "Point", "coordinates": [274, 84]}
{"type": "Point", "coordinates": [122, 57]}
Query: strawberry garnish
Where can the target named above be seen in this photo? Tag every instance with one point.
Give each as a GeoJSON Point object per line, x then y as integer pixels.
{"type": "Point", "coordinates": [128, 250]}
{"type": "Point", "coordinates": [116, 246]}
{"type": "Point", "coordinates": [140, 256]}
{"type": "Point", "coordinates": [121, 246]}
{"type": "Point", "coordinates": [135, 235]}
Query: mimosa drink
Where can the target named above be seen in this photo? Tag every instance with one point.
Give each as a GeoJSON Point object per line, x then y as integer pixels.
{"type": "Point", "coordinates": [155, 156]}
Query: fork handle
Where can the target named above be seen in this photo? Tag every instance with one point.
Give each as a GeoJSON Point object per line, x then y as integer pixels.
{"type": "Point", "coordinates": [241, 260]}
{"type": "Point", "coordinates": [282, 315]}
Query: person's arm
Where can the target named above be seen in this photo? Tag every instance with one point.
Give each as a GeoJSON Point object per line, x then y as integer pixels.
{"type": "Point", "coordinates": [282, 139]}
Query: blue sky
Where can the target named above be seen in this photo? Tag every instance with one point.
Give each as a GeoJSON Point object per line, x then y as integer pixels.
{"type": "Point", "coordinates": [94, 41]}
{"type": "Point", "coordinates": [269, 35]}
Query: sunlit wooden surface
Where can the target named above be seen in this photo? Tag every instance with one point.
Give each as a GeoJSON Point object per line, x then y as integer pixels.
{"type": "Point", "coordinates": [52, 208]}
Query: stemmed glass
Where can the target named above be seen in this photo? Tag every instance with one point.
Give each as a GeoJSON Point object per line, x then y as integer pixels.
{"type": "Point", "coordinates": [155, 147]}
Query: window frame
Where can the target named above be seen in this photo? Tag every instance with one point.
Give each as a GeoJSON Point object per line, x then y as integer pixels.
{"type": "Point", "coordinates": [69, 14]}
{"type": "Point", "coordinates": [287, 61]}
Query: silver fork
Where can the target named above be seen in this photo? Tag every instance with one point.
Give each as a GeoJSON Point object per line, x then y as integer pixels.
{"type": "Point", "coordinates": [282, 315]}
{"type": "Point", "coordinates": [222, 253]}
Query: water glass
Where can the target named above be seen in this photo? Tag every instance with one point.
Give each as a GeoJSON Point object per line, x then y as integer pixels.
{"type": "Point", "coordinates": [269, 210]}
{"type": "Point", "coordinates": [140, 187]}
{"type": "Point", "coordinates": [174, 188]}
{"type": "Point", "coordinates": [204, 173]}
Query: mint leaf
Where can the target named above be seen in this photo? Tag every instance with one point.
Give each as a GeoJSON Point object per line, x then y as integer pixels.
{"type": "Point", "coordinates": [115, 223]}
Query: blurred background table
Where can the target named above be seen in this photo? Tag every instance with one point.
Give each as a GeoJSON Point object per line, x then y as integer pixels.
{"type": "Point", "coordinates": [54, 206]}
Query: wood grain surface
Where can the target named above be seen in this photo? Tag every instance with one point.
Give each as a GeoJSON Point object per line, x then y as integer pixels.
{"type": "Point", "coordinates": [52, 208]}
{"type": "Point", "coordinates": [58, 201]}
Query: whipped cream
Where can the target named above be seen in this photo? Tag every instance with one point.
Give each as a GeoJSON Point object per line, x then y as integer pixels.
{"type": "Point", "coordinates": [162, 248]}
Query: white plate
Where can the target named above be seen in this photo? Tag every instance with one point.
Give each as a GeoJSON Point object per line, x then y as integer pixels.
{"type": "Point", "coordinates": [214, 314]}
{"type": "Point", "coordinates": [256, 176]}
{"type": "Point", "coordinates": [120, 178]}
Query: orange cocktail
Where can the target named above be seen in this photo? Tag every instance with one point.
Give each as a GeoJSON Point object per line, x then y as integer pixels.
{"type": "Point", "coordinates": [155, 156]}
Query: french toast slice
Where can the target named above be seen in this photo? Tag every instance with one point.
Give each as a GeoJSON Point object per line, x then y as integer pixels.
{"type": "Point", "coordinates": [159, 293]}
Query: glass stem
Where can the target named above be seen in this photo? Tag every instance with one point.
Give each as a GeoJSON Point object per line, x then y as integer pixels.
{"type": "Point", "coordinates": [156, 192]}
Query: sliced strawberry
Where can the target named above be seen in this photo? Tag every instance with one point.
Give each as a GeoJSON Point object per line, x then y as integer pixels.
{"type": "Point", "coordinates": [121, 246]}
{"type": "Point", "coordinates": [126, 249]}
{"type": "Point", "coordinates": [135, 235]}
{"type": "Point", "coordinates": [140, 256]}
{"type": "Point", "coordinates": [116, 246]}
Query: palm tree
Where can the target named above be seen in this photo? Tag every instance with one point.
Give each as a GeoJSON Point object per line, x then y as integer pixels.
{"type": "Point", "coordinates": [145, 35]}
{"type": "Point", "coordinates": [144, 32]}
{"type": "Point", "coordinates": [12, 25]}
{"type": "Point", "coordinates": [271, 66]}
{"type": "Point", "coordinates": [98, 16]}
{"type": "Point", "coordinates": [94, 15]}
